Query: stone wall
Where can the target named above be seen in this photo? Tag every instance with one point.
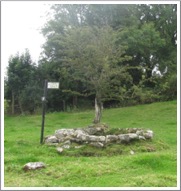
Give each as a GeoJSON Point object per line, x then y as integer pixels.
{"type": "Point", "coordinates": [96, 136]}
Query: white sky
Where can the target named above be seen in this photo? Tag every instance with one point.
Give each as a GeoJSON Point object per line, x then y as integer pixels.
{"type": "Point", "coordinates": [21, 22]}
{"type": "Point", "coordinates": [20, 28]}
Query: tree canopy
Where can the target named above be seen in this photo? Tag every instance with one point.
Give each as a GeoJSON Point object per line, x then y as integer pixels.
{"type": "Point", "coordinates": [101, 54]}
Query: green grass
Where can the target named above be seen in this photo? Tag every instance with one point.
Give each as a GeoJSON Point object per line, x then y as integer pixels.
{"type": "Point", "coordinates": [107, 169]}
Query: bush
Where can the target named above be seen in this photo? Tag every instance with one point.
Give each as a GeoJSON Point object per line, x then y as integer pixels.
{"type": "Point", "coordinates": [171, 87]}
{"type": "Point", "coordinates": [142, 96]}
{"type": "Point", "coordinates": [167, 88]}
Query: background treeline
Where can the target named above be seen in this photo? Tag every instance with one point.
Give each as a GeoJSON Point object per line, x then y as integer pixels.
{"type": "Point", "coordinates": [119, 54]}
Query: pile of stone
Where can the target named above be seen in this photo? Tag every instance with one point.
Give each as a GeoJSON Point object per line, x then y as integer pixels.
{"type": "Point", "coordinates": [96, 136]}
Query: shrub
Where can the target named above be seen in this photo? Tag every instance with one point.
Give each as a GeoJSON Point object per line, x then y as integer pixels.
{"type": "Point", "coordinates": [167, 88]}
{"type": "Point", "coordinates": [144, 95]}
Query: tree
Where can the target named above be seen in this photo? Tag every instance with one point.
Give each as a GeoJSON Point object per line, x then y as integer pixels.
{"type": "Point", "coordinates": [144, 44]}
{"type": "Point", "coordinates": [108, 51]}
{"type": "Point", "coordinates": [22, 82]}
{"type": "Point", "coordinates": [164, 18]}
{"type": "Point", "coordinates": [92, 55]}
{"type": "Point", "coordinates": [117, 16]}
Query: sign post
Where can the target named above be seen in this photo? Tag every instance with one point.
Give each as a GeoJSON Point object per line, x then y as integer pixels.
{"type": "Point", "coordinates": [53, 85]}
{"type": "Point", "coordinates": [47, 85]}
{"type": "Point", "coordinates": [43, 110]}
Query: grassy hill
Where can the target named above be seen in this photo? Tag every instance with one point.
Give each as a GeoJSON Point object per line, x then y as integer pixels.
{"type": "Point", "coordinates": [157, 168]}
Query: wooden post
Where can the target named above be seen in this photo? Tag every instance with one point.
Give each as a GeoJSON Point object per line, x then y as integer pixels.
{"type": "Point", "coordinates": [43, 110]}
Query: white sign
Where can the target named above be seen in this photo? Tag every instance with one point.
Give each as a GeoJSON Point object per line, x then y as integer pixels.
{"type": "Point", "coordinates": [53, 85]}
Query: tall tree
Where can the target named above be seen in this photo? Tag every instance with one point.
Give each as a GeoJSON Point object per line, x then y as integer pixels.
{"type": "Point", "coordinates": [76, 37]}
{"type": "Point", "coordinates": [21, 82]}
{"type": "Point", "coordinates": [164, 18]}
{"type": "Point", "coordinates": [144, 44]}
{"type": "Point", "coordinates": [114, 15]}
{"type": "Point", "coordinates": [92, 56]}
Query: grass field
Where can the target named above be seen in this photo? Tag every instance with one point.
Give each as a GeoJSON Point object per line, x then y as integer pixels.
{"type": "Point", "coordinates": [143, 169]}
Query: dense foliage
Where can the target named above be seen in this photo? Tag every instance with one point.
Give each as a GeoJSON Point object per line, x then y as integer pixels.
{"type": "Point", "coordinates": [116, 55]}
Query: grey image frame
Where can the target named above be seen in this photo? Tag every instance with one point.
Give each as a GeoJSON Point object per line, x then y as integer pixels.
{"type": "Point", "coordinates": [2, 87]}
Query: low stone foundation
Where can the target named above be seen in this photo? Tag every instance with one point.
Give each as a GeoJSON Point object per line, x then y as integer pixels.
{"type": "Point", "coordinates": [96, 136]}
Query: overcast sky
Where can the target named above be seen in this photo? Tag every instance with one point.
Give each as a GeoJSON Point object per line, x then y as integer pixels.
{"type": "Point", "coordinates": [20, 28]}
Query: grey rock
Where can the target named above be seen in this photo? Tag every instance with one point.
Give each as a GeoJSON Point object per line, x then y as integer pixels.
{"type": "Point", "coordinates": [132, 130]}
{"type": "Point", "coordinates": [60, 149]}
{"type": "Point", "coordinates": [148, 134]}
{"type": "Point", "coordinates": [68, 142]}
{"type": "Point", "coordinates": [102, 138]}
{"type": "Point", "coordinates": [64, 133]}
{"type": "Point", "coordinates": [97, 144]}
{"type": "Point", "coordinates": [127, 137]}
{"type": "Point", "coordinates": [91, 131]}
{"type": "Point", "coordinates": [139, 132]}
{"type": "Point", "coordinates": [65, 146]}
{"type": "Point", "coordinates": [75, 140]}
{"type": "Point", "coordinates": [33, 166]}
{"type": "Point", "coordinates": [123, 138]}
{"type": "Point", "coordinates": [82, 137]}
{"type": "Point", "coordinates": [141, 137]}
{"type": "Point", "coordinates": [133, 136]}
{"type": "Point", "coordinates": [80, 132]}
{"type": "Point", "coordinates": [96, 129]}
{"type": "Point", "coordinates": [93, 138]}
{"type": "Point", "coordinates": [111, 138]}
{"type": "Point", "coordinates": [51, 139]}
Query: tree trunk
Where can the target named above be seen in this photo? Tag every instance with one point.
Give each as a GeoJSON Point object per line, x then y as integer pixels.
{"type": "Point", "coordinates": [74, 101]}
{"type": "Point", "coordinates": [20, 106]}
{"type": "Point", "coordinates": [64, 105]}
{"type": "Point", "coordinates": [12, 104]}
{"type": "Point", "coordinates": [98, 110]}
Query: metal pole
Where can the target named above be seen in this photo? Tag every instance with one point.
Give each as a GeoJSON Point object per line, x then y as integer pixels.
{"type": "Point", "coordinates": [43, 110]}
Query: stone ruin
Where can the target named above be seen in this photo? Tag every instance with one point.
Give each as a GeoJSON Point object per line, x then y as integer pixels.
{"type": "Point", "coordinates": [96, 136]}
